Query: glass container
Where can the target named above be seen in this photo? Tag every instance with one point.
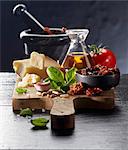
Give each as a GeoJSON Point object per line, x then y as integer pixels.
{"type": "Point", "coordinates": [77, 55]}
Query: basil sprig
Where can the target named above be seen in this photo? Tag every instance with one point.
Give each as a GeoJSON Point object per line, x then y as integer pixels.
{"type": "Point", "coordinates": [39, 122]}
{"type": "Point", "coordinates": [21, 90]}
{"type": "Point", "coordinates": [26, 112]}
{"type": "Point", "coordinates": [59, 80]}
{"type": "Point", "coordinates": [55, 74]}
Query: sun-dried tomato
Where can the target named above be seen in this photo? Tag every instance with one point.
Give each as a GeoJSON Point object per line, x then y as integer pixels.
{"type": "Point", "coordinates": [76, 88]}
{"type": "Point", "coordinates": [93, 91]}
{"type": "Point", "coordinates": [98, 70]}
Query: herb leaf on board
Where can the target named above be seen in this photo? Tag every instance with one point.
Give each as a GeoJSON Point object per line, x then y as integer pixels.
{"type": "Point", "coordinates": [55, 74]}
{"type": "Point", "coordinates": [21, 90]}
{"type": "Point", "coordinates": [59, 80]}
{"type": "Point", "coordinates": [70, 75]}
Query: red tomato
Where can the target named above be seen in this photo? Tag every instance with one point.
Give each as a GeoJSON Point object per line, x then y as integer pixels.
{"type": "Point", "coordinates": [105, 57]}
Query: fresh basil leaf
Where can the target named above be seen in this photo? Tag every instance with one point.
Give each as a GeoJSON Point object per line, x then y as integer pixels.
{"type": "Point", "coordinates": [71, 82]}
{"type": "Point", "coordinates": [39, 122]}
{"type": "Point", "coordinates": [65, 88]}
{"type": "Point", "coordinates": [21, 90]}
{"type": "Point", "coordinates": [57, 87]}
{"type": "Point", "coordinates": [59, 84]}
{"type": "Point", "coordinates": [54, 85]}
{"type": "Point", "coordinates": [70, 74]}
{"type": "Point", "coordinates": [26, 112]}
{"type": "Point", "coordinates": [55, 74]}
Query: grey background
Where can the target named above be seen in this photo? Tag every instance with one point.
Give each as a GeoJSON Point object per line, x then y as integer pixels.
{"type": "Point", "coordinates": [106, 20]}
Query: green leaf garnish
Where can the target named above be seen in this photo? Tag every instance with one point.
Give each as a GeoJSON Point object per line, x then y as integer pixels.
{"type": "Point", "coordinates": [71, 82]}
{"type": "Point", "coordinates": [94, 48]}
{"type": "Point", "coordinates": [59, 81]}
{"type": "Point", "coordinates": [21, 90]}
{"type": "Point", "coordinates": [26, 112]}
{"type": "Point", "coordinates": [70, 74]}
{"type": "Point", "coordinates": [54, 85]}
{"type": "Point", "coordinates": [64, 88]}
{"type": "Point", "coordinates": [55, 74]}
{"type": "Point", "coordinates": [39, 122]}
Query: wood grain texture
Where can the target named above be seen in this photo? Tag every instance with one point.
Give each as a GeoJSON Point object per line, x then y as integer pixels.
{"type": "Point", "coordinates": [62, 114]}
{"type": "Point", "coordinates": [62, 110]}
{"type": "Point", "coordinates": [94, 129]}
{"type": "Point", "coordinates": [30, 99]}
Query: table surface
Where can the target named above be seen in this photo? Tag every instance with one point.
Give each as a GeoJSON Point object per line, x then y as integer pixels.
{"type": "Point", "coordinates": [93, 129]}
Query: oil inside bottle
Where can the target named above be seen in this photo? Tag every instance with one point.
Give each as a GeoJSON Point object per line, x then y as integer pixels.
{"type": "Point", "coordinates": [76, 59]}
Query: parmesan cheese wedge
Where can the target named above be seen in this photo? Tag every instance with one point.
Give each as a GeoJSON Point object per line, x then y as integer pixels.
{"type": "Point", "coordinates": [29, 80]}
{"type": "Point", "coordinates": [20, 66]}
{"type": "Point", "coordinates": [50, 62]}
{"type": "Point", "coordinates": [37, 60]}
{"type": "Point", "coordinates": [37, 64]}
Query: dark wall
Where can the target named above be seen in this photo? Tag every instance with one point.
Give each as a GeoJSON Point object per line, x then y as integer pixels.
{"type": "Point", "coordinates": [107, 22]}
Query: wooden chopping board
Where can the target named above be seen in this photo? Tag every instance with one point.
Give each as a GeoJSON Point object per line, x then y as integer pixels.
{"type": "Point", "coordinates": [62, 110]}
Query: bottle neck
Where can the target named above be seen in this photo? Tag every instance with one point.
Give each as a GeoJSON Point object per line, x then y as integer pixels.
{"type": "Point", "coordinates": [77, 45]}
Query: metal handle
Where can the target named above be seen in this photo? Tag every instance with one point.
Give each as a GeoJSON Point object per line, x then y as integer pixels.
{"type": "Point", "coordinates": [21, 9]}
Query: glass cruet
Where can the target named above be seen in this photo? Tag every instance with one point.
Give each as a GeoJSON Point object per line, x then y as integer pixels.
{"type": "Point", "coordinates": [77, 55]}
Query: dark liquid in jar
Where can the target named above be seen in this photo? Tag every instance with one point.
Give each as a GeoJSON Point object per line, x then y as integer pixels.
{"type": "Point", "coordinates": [76, 59]}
